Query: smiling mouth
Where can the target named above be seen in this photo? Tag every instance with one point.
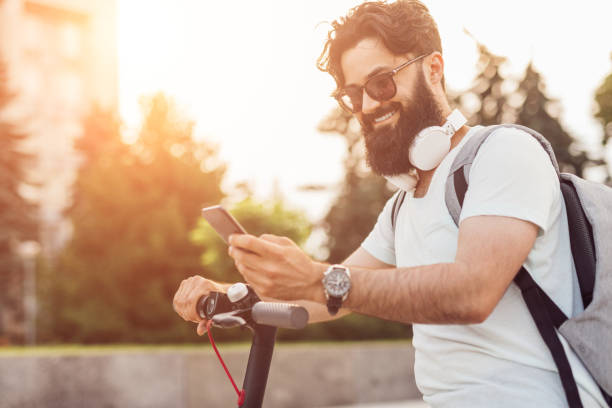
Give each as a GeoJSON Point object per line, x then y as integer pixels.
{"type": "Point", "coordinates": [385, 116]}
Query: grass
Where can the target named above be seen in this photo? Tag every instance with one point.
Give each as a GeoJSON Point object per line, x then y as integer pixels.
{"type": "Point", "coordinates": [78, 349]}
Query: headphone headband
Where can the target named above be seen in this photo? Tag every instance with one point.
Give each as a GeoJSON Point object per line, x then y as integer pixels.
{"type": "Point", "coordinates": [454, 122]}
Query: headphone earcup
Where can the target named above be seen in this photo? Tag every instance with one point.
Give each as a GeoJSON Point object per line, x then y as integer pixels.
{"type": "Point", "coordinates": [429, 148]}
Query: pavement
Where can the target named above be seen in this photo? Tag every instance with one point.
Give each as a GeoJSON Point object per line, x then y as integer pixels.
{"type": "Point", "coordinates": [395, 404]}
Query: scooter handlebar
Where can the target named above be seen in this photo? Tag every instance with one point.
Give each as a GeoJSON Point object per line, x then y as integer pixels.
{"type": "Point", "coordinates": [284, 315]}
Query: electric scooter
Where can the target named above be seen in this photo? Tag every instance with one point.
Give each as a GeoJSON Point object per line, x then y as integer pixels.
{"type": "Point", "coordinates": [241, 307]}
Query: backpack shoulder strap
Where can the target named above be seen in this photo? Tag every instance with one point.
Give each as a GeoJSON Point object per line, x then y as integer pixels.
{"type": "Point", "coordinates": [459, 174]}
{"type": "Point", "coordinates": [397, 204]}
{"type": "Point", "coordinates": [581, 241]}
{"type": "Point", "coordinates": [548, 317]}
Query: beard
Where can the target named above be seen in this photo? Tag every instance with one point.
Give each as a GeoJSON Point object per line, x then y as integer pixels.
{"type": "Point", "coordinates": [387, 148]}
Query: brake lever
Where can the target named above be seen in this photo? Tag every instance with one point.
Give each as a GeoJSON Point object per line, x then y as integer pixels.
{"type": "Point", "coordinates": [230, 319]}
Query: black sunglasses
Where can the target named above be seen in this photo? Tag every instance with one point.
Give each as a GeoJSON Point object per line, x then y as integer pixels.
{"type": "Point", "coordinates": [380, 87]}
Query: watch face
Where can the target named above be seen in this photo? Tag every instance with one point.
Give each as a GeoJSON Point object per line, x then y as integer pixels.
{"type": "Point", "coordinates": [337, 283]}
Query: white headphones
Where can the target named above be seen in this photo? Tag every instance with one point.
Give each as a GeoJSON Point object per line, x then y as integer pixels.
{"type": "Point", "coordinates": [433, 143]}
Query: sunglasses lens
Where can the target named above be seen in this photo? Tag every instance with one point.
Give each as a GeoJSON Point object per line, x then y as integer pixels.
{"type": "Point", "coordinates": [381, 87]}
{"type": "Point", "coordinates": [351, 101]}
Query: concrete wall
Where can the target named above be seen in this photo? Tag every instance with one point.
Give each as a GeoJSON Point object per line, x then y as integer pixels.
{"type": "Point", "coordinates": [300, 376]}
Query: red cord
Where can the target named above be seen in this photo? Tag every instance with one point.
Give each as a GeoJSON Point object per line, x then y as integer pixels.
{"type": "Point", "coordinates": [241, 393]}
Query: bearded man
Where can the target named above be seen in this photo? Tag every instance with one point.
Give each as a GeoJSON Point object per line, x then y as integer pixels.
{"type": "Point", "coordinates": [475, 341]}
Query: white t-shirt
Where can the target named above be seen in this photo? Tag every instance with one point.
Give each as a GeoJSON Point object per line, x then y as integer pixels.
{"type": "Point", "coordinates": [502, 362]}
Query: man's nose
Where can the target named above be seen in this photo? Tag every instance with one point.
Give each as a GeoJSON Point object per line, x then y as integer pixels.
{"type": "Point", "coordinates": [368, 104]}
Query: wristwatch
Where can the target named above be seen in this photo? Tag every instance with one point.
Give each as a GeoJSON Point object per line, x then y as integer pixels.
{"type": "Point", "coordinates": [337, 284]}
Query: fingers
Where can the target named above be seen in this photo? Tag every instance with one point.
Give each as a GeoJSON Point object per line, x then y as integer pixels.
{"type": "Point", "coordinates": [246, 257]}
{"type": "Point", "coordinates": [256, 245]}
{"type": "Point", "coordinates": [192, 297]}
{"type": "Point", "coordinates": [179, 296]}
{"type": "Point", "coordinates": [274, 266]}
{"type": "Point", "coordinates": [283, 241]}
{"type": "Point", "coordinates": [189, 292]}
{"type": "Point", "coordinates": [261, 282]}
{"type": "Point", "coordinates": [201, 329]}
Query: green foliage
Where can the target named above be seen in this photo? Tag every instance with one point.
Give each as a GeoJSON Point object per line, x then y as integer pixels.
{"type": "Point", "coordinates": [603, 98]}
{"type": "Point", "coordinates": [18, 219]}
{"type": "Point", "coordinates": [138, 233]}
{"type": "Point", "coordinates": [134, 206]}
{"type": "Point", "coordinates": [17, 215]}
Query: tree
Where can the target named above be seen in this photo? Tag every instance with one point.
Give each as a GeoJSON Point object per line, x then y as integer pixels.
{"type": "Point", "coordinates": [603, 98]}
{"type": "Point", "coordinates": [486, 102]}
{"type": "Point", "coordinates": [495, 98]}
{"type": "Point", "coordinates": [134, 206]}
{"type": "Point", "coordinates": [18, 220]}
{"type": "Point", "coordinates": [534, 113]}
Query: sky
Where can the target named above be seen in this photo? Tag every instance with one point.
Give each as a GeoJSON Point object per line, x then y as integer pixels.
{"type": "Point", "coordinates": [245, 72]}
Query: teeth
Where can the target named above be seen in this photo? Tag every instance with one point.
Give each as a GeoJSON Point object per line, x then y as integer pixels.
{"type": "Point", "coordinates": [385, 117]}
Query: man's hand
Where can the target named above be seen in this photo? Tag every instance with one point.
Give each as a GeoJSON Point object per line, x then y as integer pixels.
{"type": "Point", "coordinates": [276, 267]}
{"type": "Point", "coordinates": [187, 295]}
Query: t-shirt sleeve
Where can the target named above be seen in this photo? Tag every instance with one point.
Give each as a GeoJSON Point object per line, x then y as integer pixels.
{"type": "Point", "coordinates": [512, 176]}
{"type": "Point", "coordinates": [380, 243]}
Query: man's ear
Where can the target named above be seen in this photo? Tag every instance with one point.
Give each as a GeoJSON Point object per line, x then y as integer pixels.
{"type": "Point", "coordinates": [434, 69]}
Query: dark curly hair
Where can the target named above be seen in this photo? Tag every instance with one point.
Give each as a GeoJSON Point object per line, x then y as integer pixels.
{"type": "Point", "coordinates": [404, 26]}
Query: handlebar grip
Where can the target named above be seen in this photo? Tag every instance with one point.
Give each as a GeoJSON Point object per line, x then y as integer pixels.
{"type": "Point", "coordinates": [201, 307]}
{"type": "Point", "coordinates": [282, 315]}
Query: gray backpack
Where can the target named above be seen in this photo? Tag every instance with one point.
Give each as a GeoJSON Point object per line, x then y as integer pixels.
{"type": "Point", "coordinates": [589, 213]}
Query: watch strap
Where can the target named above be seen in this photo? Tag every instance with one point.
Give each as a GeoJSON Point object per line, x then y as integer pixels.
{"type": "Point", "coordinates": [333, 304]}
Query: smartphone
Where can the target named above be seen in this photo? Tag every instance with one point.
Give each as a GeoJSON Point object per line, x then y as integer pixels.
{"type": "Point", "coordinates": [222, 222]}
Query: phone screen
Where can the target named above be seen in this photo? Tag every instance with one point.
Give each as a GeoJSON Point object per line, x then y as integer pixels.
{"type": "Point", "coordinates": [222, 222]}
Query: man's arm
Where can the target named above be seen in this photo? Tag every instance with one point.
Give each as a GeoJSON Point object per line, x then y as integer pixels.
{"type": "Point", "coordinates": [358, 259]}
{"type": "Point", "coordinates": [491, 250]}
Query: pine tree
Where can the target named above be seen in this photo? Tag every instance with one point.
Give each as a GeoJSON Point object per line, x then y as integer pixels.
{"type": "Point", "coordinates": [490, 101]}
{"type": "Point", "coordinates": [486, 103]}
{"type": "Point", "coordinates": [603, 98]}
{"type": "Point", "coordinates": [534, 113]}
{"type": "Point", "coordinates": [17, 215]}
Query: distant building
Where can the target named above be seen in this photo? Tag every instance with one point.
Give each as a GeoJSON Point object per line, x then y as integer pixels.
{"type": "Point", "coordinates": [61, 57]}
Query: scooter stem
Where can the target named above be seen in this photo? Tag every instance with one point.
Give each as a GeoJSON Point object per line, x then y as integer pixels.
{"type": "Point", "coordinates": [258, 367]}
